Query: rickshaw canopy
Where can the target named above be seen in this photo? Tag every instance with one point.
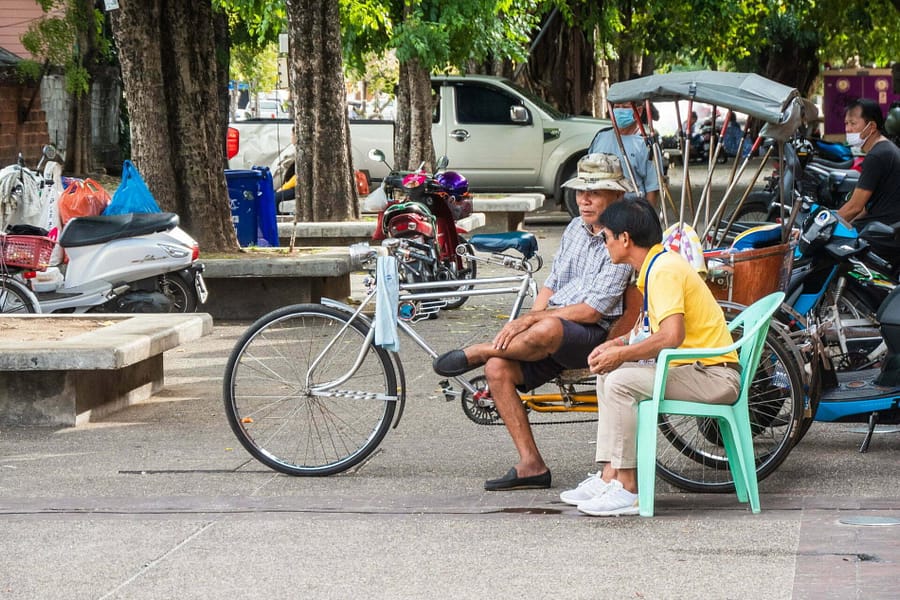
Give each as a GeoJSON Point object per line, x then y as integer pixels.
{"type": "Point", "coordinates": [767, 100]}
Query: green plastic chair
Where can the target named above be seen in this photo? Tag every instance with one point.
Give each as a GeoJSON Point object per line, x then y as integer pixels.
{"type": "Point", "coordinates": [733, 419]}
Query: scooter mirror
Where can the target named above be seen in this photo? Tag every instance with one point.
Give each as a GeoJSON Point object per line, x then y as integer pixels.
{"type": "Point", "coordinates": [49, 152]}
{"type": "Point", "coordinates": [442, 163]}
{"type": "Point", "coordinates": [376, 155]}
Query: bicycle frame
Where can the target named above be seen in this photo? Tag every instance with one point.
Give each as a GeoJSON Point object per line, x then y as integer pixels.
{"type": "Point", "coordinates": [566, 400]}
{"type": "Point", "coordinates": [524, 285]}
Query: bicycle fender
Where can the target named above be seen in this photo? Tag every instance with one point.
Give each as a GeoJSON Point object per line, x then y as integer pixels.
{"type": "Point", "coordinates": [395, 358]}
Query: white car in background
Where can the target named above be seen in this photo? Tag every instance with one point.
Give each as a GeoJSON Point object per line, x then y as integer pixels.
{"type": "Point", "coordinates": [272, 108]}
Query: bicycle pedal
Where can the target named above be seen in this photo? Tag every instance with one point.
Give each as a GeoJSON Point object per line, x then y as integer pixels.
{"type": "Point", "coordinates": [450, 394]}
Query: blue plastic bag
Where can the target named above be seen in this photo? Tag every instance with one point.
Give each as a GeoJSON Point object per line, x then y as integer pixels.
{"type": "Point", "coordinates": [132, 195]}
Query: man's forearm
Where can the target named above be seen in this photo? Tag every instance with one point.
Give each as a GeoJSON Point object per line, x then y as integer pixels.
{"type": "Point", "coordinates": [856, 205]}
{"type": "Point", "coordinates": [579, 313]}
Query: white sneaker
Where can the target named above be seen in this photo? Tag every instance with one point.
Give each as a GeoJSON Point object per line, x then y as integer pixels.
{"type": "Point", "coordinates": [590, 488]}
{"type": "Point", "coordinates": [615, 501]}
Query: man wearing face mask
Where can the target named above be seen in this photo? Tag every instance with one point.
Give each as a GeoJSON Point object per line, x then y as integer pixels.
{"type": "Point", "coordinates": [638, 152]}
{"type": "Point", "coordinates": [877, 195]}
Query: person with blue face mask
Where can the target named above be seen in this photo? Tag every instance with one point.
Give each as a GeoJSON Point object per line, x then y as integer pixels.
{"type": "Point", "coordinates": [638, 152]}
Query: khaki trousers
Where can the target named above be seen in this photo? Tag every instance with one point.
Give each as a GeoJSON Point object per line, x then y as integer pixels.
{"type": "Point", "coordinates": [619, 392]}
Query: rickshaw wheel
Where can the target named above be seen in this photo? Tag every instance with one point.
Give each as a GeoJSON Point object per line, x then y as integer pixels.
{"type": "Point", "coordinates": [692, 456]}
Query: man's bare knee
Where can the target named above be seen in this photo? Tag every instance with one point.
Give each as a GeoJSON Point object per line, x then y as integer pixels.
{"type": "Point", "coordinates": [502, 370]}
{"type": "Point", "coordinates": [545, 334]}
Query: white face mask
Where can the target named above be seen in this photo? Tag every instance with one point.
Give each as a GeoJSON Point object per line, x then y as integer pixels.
{"type": "Point", "coordinates": [856, 140]}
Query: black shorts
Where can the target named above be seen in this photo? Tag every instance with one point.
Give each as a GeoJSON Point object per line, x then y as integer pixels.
{"type": "Point", "coordinates": [577, 342]}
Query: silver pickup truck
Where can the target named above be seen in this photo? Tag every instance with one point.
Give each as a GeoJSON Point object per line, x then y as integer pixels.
{"type": "Point", "coordinates": [501, 137]}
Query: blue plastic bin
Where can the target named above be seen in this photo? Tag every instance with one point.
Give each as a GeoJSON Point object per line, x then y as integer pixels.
{"type": "Point", "coordinates": [251, 195]}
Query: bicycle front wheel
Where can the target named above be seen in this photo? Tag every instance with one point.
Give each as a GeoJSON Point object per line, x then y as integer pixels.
{"type": "Point", "coordinates": [691, 452]}
{"type": "Point", "coordinates": [293, 398]}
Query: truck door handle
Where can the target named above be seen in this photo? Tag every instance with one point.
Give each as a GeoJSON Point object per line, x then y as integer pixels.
{"type": "Point", "coordinates": [460, 135]}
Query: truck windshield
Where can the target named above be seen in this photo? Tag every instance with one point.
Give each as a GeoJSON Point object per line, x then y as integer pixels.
{"type": "Point", "coordinates": [540, 102]}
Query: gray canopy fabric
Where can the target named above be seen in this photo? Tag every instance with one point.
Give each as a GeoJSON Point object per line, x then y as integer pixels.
{"type": "Point", "coordinates": [748, 93]}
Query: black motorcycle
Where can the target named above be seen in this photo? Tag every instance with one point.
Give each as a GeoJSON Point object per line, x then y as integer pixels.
{"type": "Point", "coordinates": [806, 175]}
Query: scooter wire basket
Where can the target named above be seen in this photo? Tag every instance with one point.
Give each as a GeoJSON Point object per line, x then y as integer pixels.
{"type": "Point", "coordinates": [26, 251]}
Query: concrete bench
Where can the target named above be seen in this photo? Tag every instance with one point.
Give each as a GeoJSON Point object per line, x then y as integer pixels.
{"type": "Point", "coordinates": [506, 213]}
{"type": "Point", "coordinates": [344, 233]}
{"type": "Point", "coordinates": [62, 370]}
{"type": "Point", "coordinates": [249, 287]}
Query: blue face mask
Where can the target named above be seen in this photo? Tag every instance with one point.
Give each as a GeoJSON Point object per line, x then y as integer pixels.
{"type": "Point", "coordinates": [624, 117]}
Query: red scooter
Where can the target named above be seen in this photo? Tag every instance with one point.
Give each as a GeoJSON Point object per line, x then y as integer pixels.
{"type": "Point", "coordinates": [422, 210]}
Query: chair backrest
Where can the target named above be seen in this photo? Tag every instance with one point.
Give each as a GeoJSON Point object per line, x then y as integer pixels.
{"type": "Point", "coordinates": [755, 321]}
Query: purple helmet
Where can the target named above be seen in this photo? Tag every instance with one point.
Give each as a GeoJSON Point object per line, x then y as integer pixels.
{"type": "Point", "coordinates": [453, 182]}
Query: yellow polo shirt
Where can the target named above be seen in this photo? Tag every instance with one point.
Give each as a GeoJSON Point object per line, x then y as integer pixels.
{"type": "Point", "coordinates": [675, 287]}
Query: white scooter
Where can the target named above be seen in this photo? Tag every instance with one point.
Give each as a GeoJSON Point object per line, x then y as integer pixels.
{"type": "Point", "coordinates": [132, 263]}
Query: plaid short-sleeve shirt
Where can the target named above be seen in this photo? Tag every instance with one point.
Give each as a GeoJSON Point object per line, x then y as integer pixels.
{"type": "Point", "coordinates": [582, 271]}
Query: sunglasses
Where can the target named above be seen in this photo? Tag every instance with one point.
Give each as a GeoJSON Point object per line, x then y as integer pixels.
{"type": "Point", "coordinates": [604, 238]}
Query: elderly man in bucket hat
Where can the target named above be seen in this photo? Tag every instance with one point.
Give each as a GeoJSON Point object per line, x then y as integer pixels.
{"type": "Point", "coordinates": [570, 316]}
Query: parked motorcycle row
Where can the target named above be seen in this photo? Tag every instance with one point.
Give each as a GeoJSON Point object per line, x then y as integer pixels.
{"type": "Point", "coordinates": [125, 263]}
{"type": "Point", "coordinates": [812, 171]}
{"type": "Point", "coordinates": [842, 288]}
{"type": "Point", "coordinates": [417, 218]}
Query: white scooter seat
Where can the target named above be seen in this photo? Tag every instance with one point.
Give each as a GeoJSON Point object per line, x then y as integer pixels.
{"type": "Point", "coordinates": [87, 231]}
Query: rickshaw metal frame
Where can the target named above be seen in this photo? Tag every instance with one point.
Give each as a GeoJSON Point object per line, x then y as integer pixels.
{"type": "Point", "coordinates": [777, 107]}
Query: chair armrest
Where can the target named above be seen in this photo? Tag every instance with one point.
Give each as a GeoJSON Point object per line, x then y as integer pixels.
{"type": "Point", "coordinates": [669, 354]}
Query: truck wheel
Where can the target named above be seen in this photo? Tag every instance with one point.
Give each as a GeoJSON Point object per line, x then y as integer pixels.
{"type": "Point", "coordinates": [568, 195]}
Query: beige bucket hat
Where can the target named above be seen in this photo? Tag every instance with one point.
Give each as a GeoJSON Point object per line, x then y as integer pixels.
{"type": "Point", "coordinates": [599, 172]}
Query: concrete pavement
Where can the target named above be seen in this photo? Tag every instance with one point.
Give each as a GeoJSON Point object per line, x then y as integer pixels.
{"type": "Point", "coordinates": [160, 501]}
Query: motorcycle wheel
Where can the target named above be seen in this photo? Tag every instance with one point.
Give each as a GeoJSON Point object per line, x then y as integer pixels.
{"type": "Point", "coordinates": [755, 209]}
{"type": "Point", "coordinates": [469, 272]}
{"type": "Point", "coordinates": [179, 289]}
{"type": "Point", "coordinates": [852, 305]}
{"type": "Point", "coordinates": [15, 298]}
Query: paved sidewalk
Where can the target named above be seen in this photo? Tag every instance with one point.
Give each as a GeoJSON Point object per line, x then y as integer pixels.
{"type": "Point", "coordinates": [160, 501]}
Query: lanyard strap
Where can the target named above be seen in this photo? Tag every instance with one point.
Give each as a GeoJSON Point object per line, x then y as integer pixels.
{"type": "Point", "coordinates": [647, 288]}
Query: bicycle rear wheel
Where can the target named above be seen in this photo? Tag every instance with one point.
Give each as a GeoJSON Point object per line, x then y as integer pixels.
{"type": "Point", "coordinates": [280, 410]}
{"type": "Point", "coordinates": [691, 455]}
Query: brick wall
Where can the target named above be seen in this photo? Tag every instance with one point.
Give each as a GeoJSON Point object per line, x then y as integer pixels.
{"type": "Point", "coordinates": [26, 137]}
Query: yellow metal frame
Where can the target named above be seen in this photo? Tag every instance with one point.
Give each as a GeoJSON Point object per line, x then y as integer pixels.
{"type": "Point", "coordinates": [567, 400]}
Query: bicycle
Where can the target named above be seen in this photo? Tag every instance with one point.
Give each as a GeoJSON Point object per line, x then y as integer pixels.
{"type": "Point", "coordinates": [307, 392]}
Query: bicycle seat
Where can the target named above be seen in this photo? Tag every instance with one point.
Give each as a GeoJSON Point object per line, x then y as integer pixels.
{"type": "Point", "coordinates": [521, 241]}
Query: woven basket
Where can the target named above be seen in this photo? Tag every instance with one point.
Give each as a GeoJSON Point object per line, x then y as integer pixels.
{"type": "Point", "coordinates": [748, 275]}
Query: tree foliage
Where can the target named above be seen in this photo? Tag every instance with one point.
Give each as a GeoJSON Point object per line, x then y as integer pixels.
{"type": "Point", "coordinates": [426, 37]}
{"type": "Point", "coordinates": [58, 38]}
{"type": "Point", "coordinates": [253, 28]}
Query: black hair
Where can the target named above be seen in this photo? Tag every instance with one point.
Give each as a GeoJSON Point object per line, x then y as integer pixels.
{"type": "Point", "coordinates": [870, 111]}
{"type": "Point", "coordinates": [637, 217]}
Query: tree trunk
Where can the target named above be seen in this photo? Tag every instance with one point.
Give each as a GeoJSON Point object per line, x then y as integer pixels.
{"type": "Point", "coordinates": [223, 52]}
{"type": "Point", "coordinates": [401, 120]}
{"type": "Point", "coordinates": [561, 67]}
{"type": "Point", "coordinates": [326, 189]}
{"type": "Point", "coordinates": [790, 63]}
{"type": "Point", "coordinates": [79, 142]}
{"type": "Point", "coordinates": [413, 143]}
{"type": "Point", "coordinates": [170, 74]}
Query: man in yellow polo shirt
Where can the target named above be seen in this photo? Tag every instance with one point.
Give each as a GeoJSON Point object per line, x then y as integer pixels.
{"type": "Point", "coordinates": [679, 312]}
